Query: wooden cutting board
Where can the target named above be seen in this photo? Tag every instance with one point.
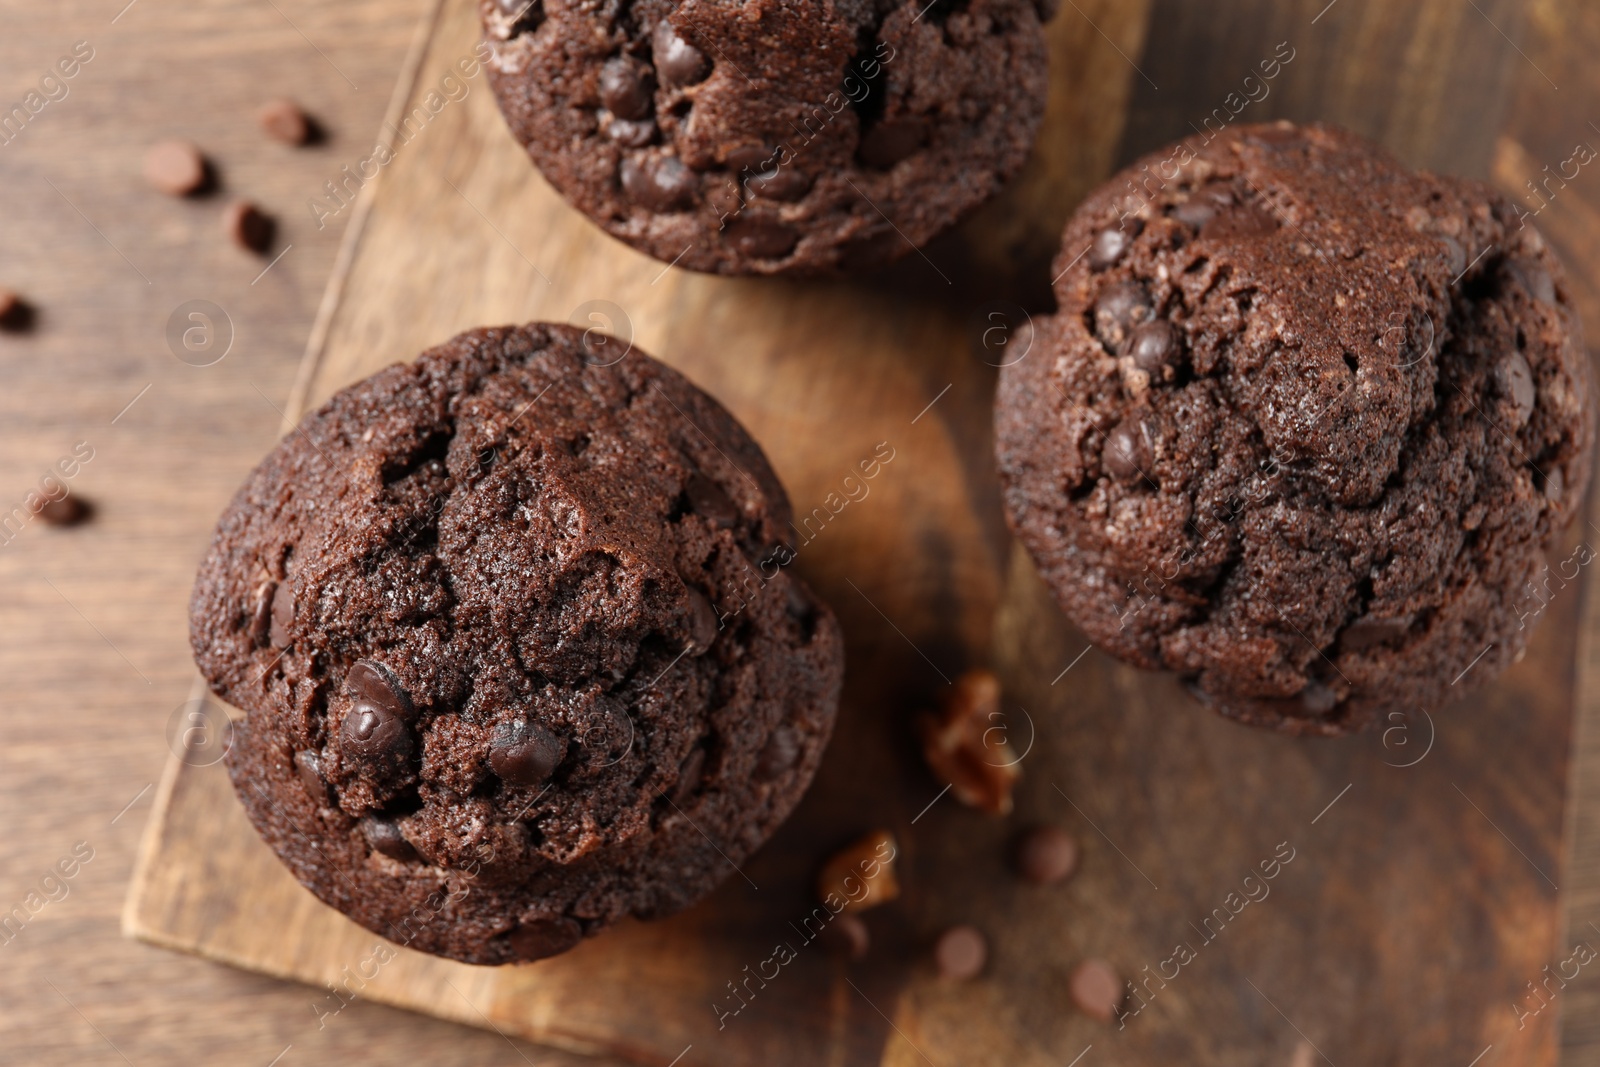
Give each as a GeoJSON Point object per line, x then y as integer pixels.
{"type": "Point", "coordinates": [1419, 896]}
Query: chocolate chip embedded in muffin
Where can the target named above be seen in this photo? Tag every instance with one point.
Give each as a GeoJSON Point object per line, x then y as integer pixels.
{"type": "Point", "coordinates": [767, 138]}
{"type": "Point", "coordinates": [481, 646]}
{"type": "Point", "coordinates": [1303, 427]}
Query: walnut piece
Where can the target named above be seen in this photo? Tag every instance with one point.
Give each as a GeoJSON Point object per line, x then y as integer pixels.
{"type": "Point", "coordinates": [965, 744]}
{"type": "Point", "coordinates": [862, 875]}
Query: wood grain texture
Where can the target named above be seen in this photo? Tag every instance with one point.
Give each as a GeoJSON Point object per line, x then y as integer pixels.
{"type": "Point", "coordinates": [1420, 900]}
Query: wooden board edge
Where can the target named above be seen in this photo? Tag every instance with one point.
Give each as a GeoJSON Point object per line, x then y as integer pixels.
{"type": "Point", "coordinates": [333, 294]}
{"type": "Point", "coordinates": [133, 923]}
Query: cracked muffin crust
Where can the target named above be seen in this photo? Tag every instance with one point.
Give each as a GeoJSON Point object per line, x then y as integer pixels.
{"type": "Point", "coordinates": [764, 137]}
{"type": "Point", "coordinates": [515, 646]}
{"type": "Point", "coordinates": [1302, 428]}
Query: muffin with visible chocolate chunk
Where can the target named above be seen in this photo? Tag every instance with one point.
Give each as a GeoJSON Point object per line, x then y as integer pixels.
{"type": "Point", "coordinates": [757, 137]}
{"type": "Point", "coordinates": [1303, 426]}
{"type": "Point", "coordinates": [515, 645]}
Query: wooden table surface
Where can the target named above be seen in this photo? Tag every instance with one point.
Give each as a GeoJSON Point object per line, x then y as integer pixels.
{"type": "Point", "coordinates": [92, 627]}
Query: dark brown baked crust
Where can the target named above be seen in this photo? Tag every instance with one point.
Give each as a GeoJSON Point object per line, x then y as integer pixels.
{"type": "Point", "coordinates": [758, 137]}
{"type": "Point", "coordinates": [1302, 428]}
{"type": "Point", "coordinates": [516, 650]}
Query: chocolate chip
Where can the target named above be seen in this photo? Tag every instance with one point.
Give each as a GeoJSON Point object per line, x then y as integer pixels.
{"type": "Point", "coordinates": [375, 733]}
{"type": "Point", "coordinates": [707, 499]}
{"type": "Point", "coordinates": [1126, 456]}
{"type": "Point", "coordinates": [1194, 213]}
{"type": "Point", "coordinates": [703, 622]}
{"type": "Point", "coordinates": [887, 143]}
{"type": "Point", "coordinates": [1455, 257]}
{"type": "Point", "coordinates": [1515, 383]}
{"type": "Point", "coordinates": [802, 608]}
{"type": "Point", "coordinates": [759, 237]}
{"type": "Point", "coordinates": [1555, 485]}
{"type": "Point", "coordinates": [539, 939]}
{"type": "Point", "coordinates": [1253, 219]}
{"type": "Point", "coordinates": [1108, 247]}
{"type": "Point", "coordinates": [385, 837]}
{"type": "Point", "coordinates": [690, 772]}
{"type": "Point", "coordinates": [780, 753]}
{"type": "Point", "coordinates": [725, 198]}
{"type": "Point", "coordinates": [750, 157]}
{"type": "Point", "coordinates": [1534, 279]}
{"type": "Point", "coordinates": [63, 511]}
{"type": "Point", "coordinates": [308, 765]}
{"type": "Point", "coordinates": [1046, 855]}
{"type": "Point", "coordinates": [248, 227]}
{"type": "Point", "coordinates": [282, 615]}
{"type": "Point", "coordinates": [1318, 699]}
{"type": "Point", "coordinates": [780, 183]}
{"type": "Point", "coordinates": [678, 61]}
{"type": "Point", "coordinates": [370, 682]}
{"type": "Point", "coordinates": [1280, 134]}
{"type": "Point", "coordinates": [1370, 630]}
{"type": "Point", "coordinates": [1119, 308]}
{"type": "Point", "coordinates": [524, 753]}
{"type": "Point", "coordinates": [961, 953]}
{"type": "Point", "coordinates": [284, 121]}
{"type": "Point", "coordinates": [631, 133]}
{"type": "Point", "coordinates": [1097, 990]}
{"type": "Point", "coordinates": [847, 935]}
{"type": "Point", "coordinates": [626, 87]}
{"type": "Point", "coordinates": [261, 613]}
{"type": "Point", "coordinates": [660, 183]}
{"type": "Point", "coordinates": [1153, 347]}
{"type": "Point", "coordinates": [175, 167]}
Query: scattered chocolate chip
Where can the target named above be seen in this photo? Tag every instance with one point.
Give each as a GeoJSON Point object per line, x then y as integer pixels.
{"type": "Point", "coordinates": [308, 765]}
{"type": "Point", "coordinates": [678, 61]}
{"type": "Point", "coordinates": [537, 939]}
{"type": "Point", "coordinates": [524, 753]}
{"type": "Point", "coordinates": [385, 837]}
{"type": "Point", "coordinates": [261, 613]}
{"type": "Point", "coordinates": [175, 167]}
{"type": "Point", "coordinates": [1515, 383]}
{"type": "Point", "coordinates": [631, 133]}
{"type": "Point", "coordinates": [1126, 456]}
{"type": "Point", "coordinates": [690, 771]}
{"type": "Point", "coordinates": [703, 622]}
{"type": "Point", "coordinates": [847, 935]}
{"type": "Point", "coordinates": [708, 500]}
{"type": "Point", "coordinates": [759, 237]}
{"type": "Point", "coordinates": [884, 145]}
{"type": "Point", "coordinates": [1153, 348]}
{"type": "Point", "coordinates": [661, 183]}
{"type": "Point", "coordinates": [961, 953]}
{"type": "Point", "coordinates": [1370, 630]}
{"type": "Point", "coordinates": [283, 121]}
{"type": "Point", "coordinates": [375, 733]}
{"type": "Point", "coordinates": [965, 751]}
{"type": "Point", "coordinates": [1120, 307]}
{"type": "Point", "coordinates": [248, 227]}
{"type": "Point", "coordinates": [627, 87]}
{"type": "Point", "coordinates": [750, 157]}
{"type": "Point", "coordinates": [1046, 855]}
{"type": "Point", "coordinates": [63, 511]}
{"type": "Point", "coordinates": [780, 183]}
{"type": "Point", "coordinates": [282, 615]}
{"type": "Point", "coordinates": [780, 753]}
{"type": "Point", "coordinates": [1097, 990]}
{"type": "Point", "coordinates": [861, 876]}
{"type": "Point", "coordinates": [1108, 247]}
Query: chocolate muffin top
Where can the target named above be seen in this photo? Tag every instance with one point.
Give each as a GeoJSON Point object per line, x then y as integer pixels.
{"type": "Point", "coordinates": [516, 650]}
{"type": "Point", "coordinates": [1302, 428]}
{"type": "Point", "coordinates": [758, 137]}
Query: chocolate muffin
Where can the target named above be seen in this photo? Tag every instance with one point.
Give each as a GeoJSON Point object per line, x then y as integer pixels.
{"type": "Point", "coordinates": [1302, 428]}
{"type": "Point", "coordinates": [515, 645]}
{"type": "Point", "coordinates": [758, 137]}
